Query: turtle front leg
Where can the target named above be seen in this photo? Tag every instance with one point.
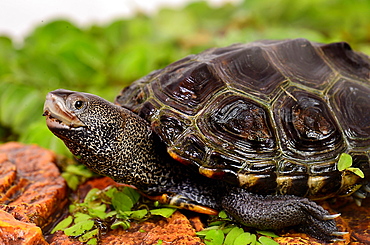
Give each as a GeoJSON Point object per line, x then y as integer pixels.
{"type": "Point", "coordinates": [182, 202]}
{"type": "Point", "coordinates": [276, 212]}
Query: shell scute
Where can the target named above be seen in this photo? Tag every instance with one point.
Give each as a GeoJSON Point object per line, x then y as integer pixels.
{"type": "Point", "coordinates": [346, 61]}
{"type": "Point", "coordinates": [300, 61]}
{"type": "Point", "coordinates": [256, 174]}
{"type": "Point", "coordinates": [170, 126]}
{"type": "Point", "coordinates": [261, 167]}
{"type": "Point", "coordinates": [292, 178]}
{"type": "Point", "coordinates": [192, 149]}
{"type": "Point", "coordinates": [307, 128]}
{"type": "Point", "coordinates": [323, 168]}
{"type": "Point", "coordinates": [221, 160]}
{"type": "Point", "coordinates": [254, 181]}
{"type": "Point", "coordinates": [249, 69]}
{"type": "Point", "coordinates": [293, 184]}
{"type": "Point", "coordinates": [289, 167]}
{"type": "Point", "coordinates": [240, 122]}
{"type": "Point", "coordinates": [187, 87]}
{"type": "Point", "coordinates": [322, 186]}
{"type": "Point", "coordinates": [350, 102]}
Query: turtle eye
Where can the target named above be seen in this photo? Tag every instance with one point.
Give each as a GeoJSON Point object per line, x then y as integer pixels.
{"type": "Point", "coordinates": [78, 104]}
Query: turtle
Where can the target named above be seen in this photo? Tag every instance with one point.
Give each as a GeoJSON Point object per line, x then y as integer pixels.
{"type": "Point", "coordinates": [255, 129]}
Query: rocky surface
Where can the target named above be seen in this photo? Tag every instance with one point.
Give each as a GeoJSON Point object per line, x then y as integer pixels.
{"type": "Point", "coordinates": [32, 195]}
{"type": "Point", "coordinates": [13, 231]}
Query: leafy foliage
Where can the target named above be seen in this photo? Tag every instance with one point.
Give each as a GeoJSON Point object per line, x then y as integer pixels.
{"type": "Point", "coordinates": [106, 209]}
{"type": "Point", "coordinates": [222, 231]}
{"type": "Point", "coordinates": [345, 163]}
{"type": "Point", "coordinates": [104, 59]}
{"type": "Point", "coordinates": [75, 174]}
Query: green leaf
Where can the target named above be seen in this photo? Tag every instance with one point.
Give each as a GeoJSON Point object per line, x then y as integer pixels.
{"type": "Point", "coordinates": [122, 202]}
{"type": "Point", "coordinates": [79, 228]}
{"type": "Point", "coordinates": [228, 228]}
{"type": "Point", "coordinates": [91, 195]}
{"type": "Point", "coordinates": [93, 241]}
{"type": "Point", "coordinates": [72, 208]}
{"type": "Point", "coordinates": [109, 192]}
{"type": "Point", "coordinates": [100, 208]}
{"type": "Point", "coordinates": [214, 237]}
{"type": "Point", "coordinates": [111, 213]}
{"type": "Point", "coordinates": [98, 211]}
{"type": "Point", "coordinates": [79, 169]}
{"type": "Point", "coordinates": [159, 242]}
{"type": "Point", "coordinates": [206, 230]}
{"type": "Point", "coordinates": [164, 212]}
{"type": "Point", "coordinates": [357, 171]}
{"type": "Point", "coordinates": [72, 180]}
{"type": "Point", "coordinates": [344, 162]}
{"type": "Point", "coordinates": [89, 235]}
{"type": "Point", "coordinates": [62, 224]}
{"type": "Point", "coordinates": [201, 233]}
{"type": "Point", "coordinates": [245, 238]}
{"type": "Point", "coordinates": [253, 239]}
{"type": "Point", "coordinates": [79, 217]}
{"type": "Point", "coordinates": [120, 223]}
{"type": "Point", "coordinates": [267, 241]}
{"type": "Point", "coordinates": [133, 194]}
{"type": "Point", "coordinates": [222, 214]}
{"type": "Point", "coordinates": [138, 214]}
{"type": "Point", "coordinates": [217, 223]}
{"type": "Point", "coordinates": [267, 233]}
{"type": "Point", "coordinates": [232, 235]}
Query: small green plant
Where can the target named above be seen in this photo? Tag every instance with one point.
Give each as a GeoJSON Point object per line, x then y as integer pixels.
{"type": "Point", "coordinates": [222, 231]}
{"type": "Point", "coordinates": [75, 174]}
{"type": "Point", "coordinates": [345, 163]}
{"type": "Point", "coordinates": [106, 209]}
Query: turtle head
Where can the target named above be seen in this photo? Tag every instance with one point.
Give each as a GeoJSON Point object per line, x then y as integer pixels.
{"type": "Point", "coordinates": [105, 137]}
{"type": "Point", "coordinates": [63, 110]}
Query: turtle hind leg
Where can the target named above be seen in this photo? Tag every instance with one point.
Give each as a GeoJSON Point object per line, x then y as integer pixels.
{"type": "Point", "coordinates": [276, 212]}
{"type": "Point", "coordinates": [181, 202]}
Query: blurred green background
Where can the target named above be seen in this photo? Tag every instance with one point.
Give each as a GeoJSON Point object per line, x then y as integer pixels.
{"type": "Point", "coordinates": [104, 59]}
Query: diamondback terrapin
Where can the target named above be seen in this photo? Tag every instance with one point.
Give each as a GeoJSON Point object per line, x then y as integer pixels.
{"type": "Point", "coordinates": [258, 129]}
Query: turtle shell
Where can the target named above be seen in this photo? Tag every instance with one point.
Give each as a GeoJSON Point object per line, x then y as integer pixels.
{"type": "Point", "coordinates": [270, 116]}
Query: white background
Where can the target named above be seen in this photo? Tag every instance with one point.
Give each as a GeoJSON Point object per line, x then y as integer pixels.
{"type": "Point", "coordinates": [19, 17]}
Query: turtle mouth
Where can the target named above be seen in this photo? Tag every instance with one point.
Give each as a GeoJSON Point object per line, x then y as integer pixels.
{"type": "Point", "coordinates": [58, 116]}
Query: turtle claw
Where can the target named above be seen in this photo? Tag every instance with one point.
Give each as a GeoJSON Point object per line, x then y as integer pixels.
{"type": "Point", "coordinates": [359, 194]}
{"type": "Point", "coordinates": [330, 216]}
{"type": "Point", "coordinates": [339, 233]}
{"type": "Point", "coordinates": [366, 188]}
{"type": "Point", "coordinates": [358, 201]}
{"type": "Point", "coordinates": [337, 240]}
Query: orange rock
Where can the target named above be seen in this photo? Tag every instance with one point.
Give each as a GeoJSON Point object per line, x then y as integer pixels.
{"type": "Point", "coordinates": [60, 239]}
{"type": "Point", "coordinates": [14, 232]}
{"type": "Point", "coordinates": [31, 191]}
